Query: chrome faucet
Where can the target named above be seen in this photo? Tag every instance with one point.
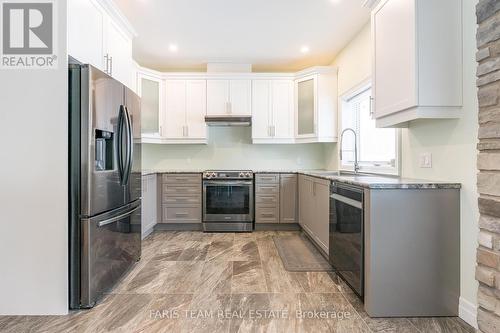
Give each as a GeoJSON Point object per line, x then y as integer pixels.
{"type": "Point", "coordinates": [356, 165]}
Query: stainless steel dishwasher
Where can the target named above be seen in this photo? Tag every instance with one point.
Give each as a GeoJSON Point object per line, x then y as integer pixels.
{"type": "Point", "coordinates": [346, 250]}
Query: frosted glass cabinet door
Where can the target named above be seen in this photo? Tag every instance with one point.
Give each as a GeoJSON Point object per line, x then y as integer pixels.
{"type": "Point", "coordinates": [150, 106]}
{"type": "Point", "coordinates": [305, 107]}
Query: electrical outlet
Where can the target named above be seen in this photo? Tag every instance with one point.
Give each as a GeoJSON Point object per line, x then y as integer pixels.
{"type": "Point", "coordinates": [425, 160]}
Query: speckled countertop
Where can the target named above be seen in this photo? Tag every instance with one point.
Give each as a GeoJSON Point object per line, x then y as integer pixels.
{"type": "Point", "coordinates": [363, 180]}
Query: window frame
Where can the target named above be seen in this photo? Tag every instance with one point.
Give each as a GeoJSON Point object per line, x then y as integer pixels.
{"type": "Point", "coordinates": [384, 170]}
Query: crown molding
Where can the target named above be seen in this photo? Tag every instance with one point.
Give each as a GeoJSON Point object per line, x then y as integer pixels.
{"type": "Point", "coordinates": [370, 4]}
{"type": "Point", "coordinates": [115, 13]}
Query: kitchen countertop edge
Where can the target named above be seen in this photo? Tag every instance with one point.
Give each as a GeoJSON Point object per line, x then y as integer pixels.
{"type": "Point", "coordinates": [371, 182]}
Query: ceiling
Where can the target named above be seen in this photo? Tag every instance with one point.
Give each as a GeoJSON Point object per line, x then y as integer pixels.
{"type": "Point", "coordinates": [269, 34]}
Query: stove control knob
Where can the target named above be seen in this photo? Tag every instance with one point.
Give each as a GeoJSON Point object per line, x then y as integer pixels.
{"type": "Point", "coordinates": [213, 174]}
{"type": "Point", "coordinates": [248, 175]}
{"type": "Point", "coordinates": [241, 175]}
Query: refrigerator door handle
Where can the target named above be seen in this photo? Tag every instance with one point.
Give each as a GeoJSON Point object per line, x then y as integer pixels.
{"type": "Point", "coordinates": [121, 167]}
{"type": "Point", "coordinates": [130, 147]}
{"type": "Point", "coordinates": [117, 218]}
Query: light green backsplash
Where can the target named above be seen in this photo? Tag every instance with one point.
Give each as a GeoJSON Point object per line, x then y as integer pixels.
{"type": "Point", "coordinates": [231, 148]}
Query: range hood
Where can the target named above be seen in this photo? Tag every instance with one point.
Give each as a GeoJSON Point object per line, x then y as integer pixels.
{"type": "Point", "coordinates": [228, 120]}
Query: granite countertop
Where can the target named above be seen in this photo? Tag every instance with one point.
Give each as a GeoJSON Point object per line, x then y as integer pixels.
{"type": "Point", "coordinates": [382, 182]}
{"type": "Point", "coordinates": [153, 171]}
{"type": "Point", "coordinates": [363, 180]}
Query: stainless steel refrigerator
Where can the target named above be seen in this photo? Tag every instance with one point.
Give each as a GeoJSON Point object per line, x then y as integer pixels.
{"type": "Point", "coordinates": [105, 183]}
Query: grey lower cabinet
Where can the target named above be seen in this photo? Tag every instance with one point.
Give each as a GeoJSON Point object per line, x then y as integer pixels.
{"type": "Point", "coordinates": [267, 198]}
{"type": "Point", "coordinates": [288, 198]}
{"type": "Point", "coordinates": [181, 198]}
{"type": "Point", "coordinates": [275, 198]}
{"type": "Point", "coordinates": [314, 209]}
{"type": "Point", "coordinates": [149, 207]}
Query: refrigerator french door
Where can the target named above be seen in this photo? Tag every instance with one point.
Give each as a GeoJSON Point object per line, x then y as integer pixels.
{"type": "Point", "coordinates": [104, 184]}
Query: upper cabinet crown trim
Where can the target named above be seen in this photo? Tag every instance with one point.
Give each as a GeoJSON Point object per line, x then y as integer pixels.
{"type": "Point", "coordinates": [238, 76]}
{"type": "Point", "coordinates": [316, 70]}
{"type": "Point", "coordinates": [112, 10]}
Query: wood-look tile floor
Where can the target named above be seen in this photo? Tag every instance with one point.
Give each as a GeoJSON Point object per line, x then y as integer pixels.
{"type": "Point", "coordinates": [196, 282]}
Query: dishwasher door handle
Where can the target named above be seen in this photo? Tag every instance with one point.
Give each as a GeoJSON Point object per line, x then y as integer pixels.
{"type": "Point", "coordinates": [347, 201]}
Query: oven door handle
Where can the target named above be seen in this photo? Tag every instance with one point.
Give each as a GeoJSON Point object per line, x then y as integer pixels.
{"type": "Point", "coordinates": [227, 183]}
{"type": "Point", "coordinates": [347, 201]}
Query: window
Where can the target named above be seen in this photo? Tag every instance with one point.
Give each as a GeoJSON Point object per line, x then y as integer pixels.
{"type": "Point", "coordinates": [378, 148]}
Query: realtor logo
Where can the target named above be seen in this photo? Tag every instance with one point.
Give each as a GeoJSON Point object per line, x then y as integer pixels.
{"type": "Point", "coordinates": [28, 34]}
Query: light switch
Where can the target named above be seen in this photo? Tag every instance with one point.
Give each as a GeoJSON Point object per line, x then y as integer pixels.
{"type": "Point", "coordinates": [425, 160]}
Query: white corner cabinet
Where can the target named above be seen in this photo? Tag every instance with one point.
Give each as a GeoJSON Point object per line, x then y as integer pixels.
{"type": "Point", "coordinates": [98, 34]}
{"type": "Point", "coordinates": [417, 60]}
{"type": "Point", "coordinates": [272, 111]}
{"type": "Point", "coordinates": [229, 97]}
{"type": "Point", "coordinates": [150, 87]}
{"type": "Point", "coordinates": [316, 105]}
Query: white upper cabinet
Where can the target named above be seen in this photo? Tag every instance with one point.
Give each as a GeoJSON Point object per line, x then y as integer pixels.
{"type": "Point", "coordinates": [99, 35]}
{"type": "Point", "coordinates": [316, 105]}
{"type": "Point", "coordinates": [150, 89]}
{"type": "Point", "coordinates": [119, 54]}
{"type": "Point", "coordinates": [196, 108]}
{"type": "Point", "coordinates": [175, 109]}
{"type": "Point", "coordinates": [261, 110]}
{"type": "Point", "coordinates": [217, 97]}
{"type": "Point", "coordinates": [417, 60]}
{"type": "Point", "coordinates": [240, 97]}
{"type": "Point", "coordinates": [229, 97]}
{"type": "Point", "coordinates": [85, 32]}
{"type": "Point", "coordinates": [282, 110]}
{"type": "Point", "coordinates": [185, 109]}
{"type": "Point", "coordinates": [272, 111]}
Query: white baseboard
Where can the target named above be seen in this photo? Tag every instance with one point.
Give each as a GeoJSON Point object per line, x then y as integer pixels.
{"type": "Point", "coordinates": [146, 232]}
{"type": "Point", "coordinates": [468, 312]}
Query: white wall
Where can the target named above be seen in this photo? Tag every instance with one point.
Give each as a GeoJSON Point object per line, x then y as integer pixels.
{"type": "Point", "coordinates": [231, 148]}
{"type": "Point", "coordinates": [33, 190]}
{"type": "Point", "coordinates": [354, 64]}
{"type": "Point", "coordinates": [451, 142]}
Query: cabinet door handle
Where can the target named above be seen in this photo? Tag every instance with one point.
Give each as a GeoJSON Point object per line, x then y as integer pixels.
{"type": "Point", "coordinates": [372, 103]}
{"type": "Point", "coordinates": [187, 130]}
{"type": "Point", "coordinates": [106, 63]}
{"type": "Point", "coordinates": [111, 66]}
{"type": "Point", "coordinates": [274, 131]}
{"type": "Point", "coordinates": [161, 131]}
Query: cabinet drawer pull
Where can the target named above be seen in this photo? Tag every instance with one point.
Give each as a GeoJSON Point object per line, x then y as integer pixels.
{"type": "Point", "coordinates": [181, 214]}
{"type": "Point", "coordinates": [267, 215]}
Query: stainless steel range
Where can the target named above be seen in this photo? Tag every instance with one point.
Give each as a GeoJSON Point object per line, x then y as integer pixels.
{"type": "Point", "coordinates": [228, 201]}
